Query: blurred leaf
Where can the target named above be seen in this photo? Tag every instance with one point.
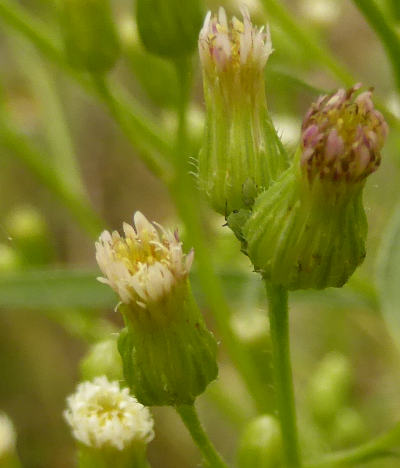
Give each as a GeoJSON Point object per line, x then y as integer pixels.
{"type": "Point", "coordinates": [44, 88]}
{"type": "Point", "coordinates": [57, 289]}
{"type": "Point", "coordinates": [156, 76]}
{"type": "Point", "coordinates": [20, 146]}
{"type": "Point", "coordinates": [41, 289]}
{"type": "Point", "coordinates": [388, 276]}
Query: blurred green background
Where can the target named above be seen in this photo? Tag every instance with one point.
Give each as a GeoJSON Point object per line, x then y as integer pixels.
{"type": "Point", "coordinates": [67, 170]}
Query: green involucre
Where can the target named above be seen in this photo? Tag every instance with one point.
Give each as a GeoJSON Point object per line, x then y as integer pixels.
{"type": "Point", "coordinates": [241, 154]}
{"type": "Point", "coordinates": [302, 235]}
{"type": "Point", "coordinates": [169, 356]}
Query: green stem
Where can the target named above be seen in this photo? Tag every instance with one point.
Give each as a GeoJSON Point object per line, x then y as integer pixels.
{"type": "Point", "coordinates": [191, 420]}
{"type": "Point", "coordinates": [38, 164]}
{"type": "Point", "coordinates": [279, 323]}
{"type": "Point", "coordinates": [55, 126]}
{"type": "Point", "coordinates": [133, 126]}
{"type": "Point", "coordinates": [385, 32]}
{"type": "Point", "coordinates": [376, 448]}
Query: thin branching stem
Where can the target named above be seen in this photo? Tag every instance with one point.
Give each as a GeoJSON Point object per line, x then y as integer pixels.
{"type": "Point", "coordinates": [191, 420]}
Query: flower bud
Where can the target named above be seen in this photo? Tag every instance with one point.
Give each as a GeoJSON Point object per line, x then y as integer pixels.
{"type": "Point", "coordinates": [241, 153]}
{"type": "Point", "coordinates": [102, 359]}
{"type": "Point", "coordinates": [309, 229]}
{"type": "Point", "coordinates": [169, 356]}
{"type": "Point", "coordinates": [26, 226]}
{"type": "Point", "coordinates": [7, 441]}
{"type": "Point", "coordinates": [329, 388]}
{"type": "Point", "coordinates": [9, 259]}
{"type": "Point", "coordinates": [260, 444]}
{"type": "Point", "coordinates": [349, 428]}
{"type": "Point", "coordinates": [169, 29]}
{"type": "Point", "coordinates": [90, 36]}
{"type": "Point", "coordinates": [110, 426]}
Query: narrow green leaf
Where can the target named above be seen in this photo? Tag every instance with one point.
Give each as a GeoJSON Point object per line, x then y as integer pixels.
{"type": "Point", "coordinates": [45, 289]}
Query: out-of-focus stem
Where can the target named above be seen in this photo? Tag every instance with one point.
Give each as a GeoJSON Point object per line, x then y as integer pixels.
{"type": "Point", "coordinates": [379, 447]}
{"type": "Point", "coordinates": [133, 120]}
{"type": "Point", "coordinates": [311, 44]}
{"type": "Point", "coordinates": [385, 32]}
{"type": "Point", "coordinates": [20, 146]}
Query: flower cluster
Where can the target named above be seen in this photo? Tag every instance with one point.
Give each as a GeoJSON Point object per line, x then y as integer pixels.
{"type": "Point", "coordinates": [145, 264]}
{"type": "Point", "coordinates": [342, 136]}
{"type": "Point", "coordinates": [101, 414]}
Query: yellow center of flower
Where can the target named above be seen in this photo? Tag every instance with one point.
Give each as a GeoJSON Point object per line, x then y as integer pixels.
{"type": "Point", "coordinates": [146, 250]}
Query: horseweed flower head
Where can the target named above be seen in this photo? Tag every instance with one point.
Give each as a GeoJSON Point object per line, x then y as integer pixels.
{"type": "Point", "coordinates": [7, 436]}
{"type": "Point", "coordinates": [309, 229]}
{"type": "Point", "coordinates": [102, 415]}
{"type": "Point", "coordinates": [169, 356]}
{"type": "Point", "coordinates": [342, 136]}
{"type": "Point", "coordinates": [240, 144]}
{"type": "Point", "coordinates": [234, 49]}
{"type": "Point", "coordinates": [144, 265]}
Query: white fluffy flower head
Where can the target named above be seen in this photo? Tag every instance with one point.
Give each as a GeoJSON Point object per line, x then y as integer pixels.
{"type": "Point", "coordinates": [7, 435]}
{"type": "Point", "coordinates": [143, 265]}
{"type": "Point", "coordinates": [233, 45]}
{"type": "Point", "coordinates": [101, 415]}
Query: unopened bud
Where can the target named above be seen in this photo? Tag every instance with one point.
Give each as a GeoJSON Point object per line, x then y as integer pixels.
{"type": "Point", "coordinates": [329, 388]}
{"type": "Point", "coordinates": [29, 235]}
{"type": "Point", "coordinates": [309, 229]}
{"type": "Point", "coordinates": [9, 259]}
{"type": "Point", "coordinates": [348, 428]}
{"type": "Point", "coordinates": [260, 444]}
{"type": "Point", "coordinates": [241, 154]}
{"type": "Point", "coordinates": [7, 440]}
{"type": "Point", "coordinates": [90, 36]}
{"type": "Point", "coordinates": [102, 359]}
{"type": "Point", "coordinates": [169, 29]}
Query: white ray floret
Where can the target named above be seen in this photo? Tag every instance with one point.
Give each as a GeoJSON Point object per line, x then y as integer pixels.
{"type": "Point", "coordinates": [143, 265]}
{"type": "Point", "coordinates": [101, 415]}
